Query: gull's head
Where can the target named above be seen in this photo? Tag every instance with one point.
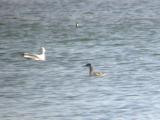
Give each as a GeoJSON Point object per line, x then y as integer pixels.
{"type": "Point", "coordinates": [43, 49]}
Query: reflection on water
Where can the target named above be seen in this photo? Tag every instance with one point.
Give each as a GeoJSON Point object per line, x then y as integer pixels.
{"type": "Point", "coordinates": [119, 38]}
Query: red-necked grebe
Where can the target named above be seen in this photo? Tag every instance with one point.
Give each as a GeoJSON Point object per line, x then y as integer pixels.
{"type": "Point", "coordinates": [92, 72]}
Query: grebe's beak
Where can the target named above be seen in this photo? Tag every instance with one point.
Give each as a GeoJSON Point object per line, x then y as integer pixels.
{"type": "Point", "coordinates": [85, 65]}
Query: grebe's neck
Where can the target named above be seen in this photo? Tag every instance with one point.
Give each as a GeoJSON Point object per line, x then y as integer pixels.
{"type": "Point", "coordinates": [91, 70]}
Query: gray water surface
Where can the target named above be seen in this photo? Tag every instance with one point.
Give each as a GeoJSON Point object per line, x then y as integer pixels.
{"type": "Point", "coordinates": [119, 37]}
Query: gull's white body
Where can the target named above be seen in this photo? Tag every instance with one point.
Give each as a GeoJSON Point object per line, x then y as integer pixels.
{"type": "Point", "coordinates": [40, 57]}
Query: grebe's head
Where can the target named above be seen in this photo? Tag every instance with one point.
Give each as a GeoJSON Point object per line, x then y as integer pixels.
{"type": "Point", "coordinates": [87, 65]}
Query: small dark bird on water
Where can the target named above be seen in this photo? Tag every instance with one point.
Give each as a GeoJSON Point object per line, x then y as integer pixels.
{"type": "Point", "coordinates": [92, 72]}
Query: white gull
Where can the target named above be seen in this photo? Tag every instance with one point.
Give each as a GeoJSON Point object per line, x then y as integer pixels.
{"type": "Point", "coordinates": [40, 57]}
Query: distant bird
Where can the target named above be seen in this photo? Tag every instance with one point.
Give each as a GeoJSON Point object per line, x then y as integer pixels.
{"type": "Point", "coordinates": [92, 72]}
{"type": "Point", "coordinates": [39, 57]}
{"type": "Point", "coordinates": [77, 25]}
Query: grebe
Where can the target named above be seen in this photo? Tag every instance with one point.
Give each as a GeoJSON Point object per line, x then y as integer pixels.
{"type": "Point", "coordinates": [92, 72]}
